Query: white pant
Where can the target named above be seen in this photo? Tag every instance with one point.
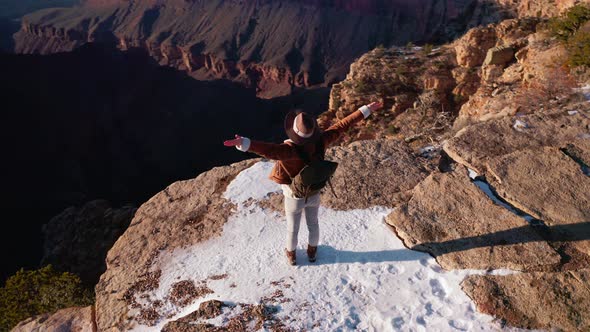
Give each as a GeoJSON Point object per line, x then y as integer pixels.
{"type": "Point", "coordinates": [294, 209]}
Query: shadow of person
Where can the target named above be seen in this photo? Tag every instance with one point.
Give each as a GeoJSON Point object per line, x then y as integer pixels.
{"type": "Point", "coordinates": [558, 233]}
{"type": "Point", "coordinates": [331, 255]}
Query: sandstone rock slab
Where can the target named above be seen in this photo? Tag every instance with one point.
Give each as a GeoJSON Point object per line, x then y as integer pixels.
{"type": "Point", "coordinates": [76, 319]}
{"type": "Point", "coordinates": [550, 186]}
{"type": "Point", "coordinates": [450, 218]}
{"type": "Point", "coordinates": [475, 145]}
{"type": "Point", "coordinates": [491, 72]}
{"type": "Point", "coordinates": [499, 55]}
{"type": "Point", "coordinates": [512, 31]}
{"type": "Point", "coordinates": [372, 173]}
{"type": "Point", "coordinates": [580, 151]}
{"type": "Point", "coordinates": [559, 301]}
{"type": "Point", "coordinates": [185, 213]}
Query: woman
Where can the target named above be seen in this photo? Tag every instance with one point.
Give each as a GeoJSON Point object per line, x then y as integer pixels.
{"type": "Point", "coordinates": [304, 136]}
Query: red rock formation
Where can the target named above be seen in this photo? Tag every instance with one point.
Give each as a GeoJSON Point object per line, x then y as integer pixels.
{"type": "Point", "coordinates": [274, 46]}
{"type": "Point", "coordinates": [540, 8]}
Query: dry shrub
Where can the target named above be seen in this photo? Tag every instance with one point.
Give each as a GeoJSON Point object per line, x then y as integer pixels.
{"type": "Point", "coordinates": [184, 292]}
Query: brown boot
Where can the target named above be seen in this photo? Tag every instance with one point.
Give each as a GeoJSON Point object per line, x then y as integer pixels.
{"type": "Point", "coordinates": [311, 253]}
{"type": "Point", "coordinates": [291, 257]}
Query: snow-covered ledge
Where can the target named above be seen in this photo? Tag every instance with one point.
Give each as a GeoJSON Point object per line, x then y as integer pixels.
{"type": "Point", "coordinates": [364, 278]}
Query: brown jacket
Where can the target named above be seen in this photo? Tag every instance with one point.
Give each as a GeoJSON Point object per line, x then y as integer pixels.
{"type": "Point", "coordinates": [288, 162]}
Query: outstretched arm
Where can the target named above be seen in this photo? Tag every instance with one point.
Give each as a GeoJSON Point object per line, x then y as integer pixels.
{"type": "Point", "coordinates": [241, 143]}
{"type": "Point", "coordinates": [331, 134]}
{"type": "Point", "coordinates": [267, 150]}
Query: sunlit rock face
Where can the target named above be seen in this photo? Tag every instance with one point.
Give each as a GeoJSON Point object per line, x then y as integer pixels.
{"type": "Point", "coordinates": [540, 8]}
{"type": "Point", "coordinates": [274, 46]}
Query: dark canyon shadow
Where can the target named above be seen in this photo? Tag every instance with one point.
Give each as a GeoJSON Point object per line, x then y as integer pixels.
{"type": "Point", "coordinates": [97, 123]}
{"type": "Point", "coordinates": [8, 27]}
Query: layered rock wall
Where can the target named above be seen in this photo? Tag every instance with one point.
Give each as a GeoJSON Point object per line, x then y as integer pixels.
{"type": "Point", "coordinates": [274, 46]}
{"type": "Point", "coordinates": [540, 8]}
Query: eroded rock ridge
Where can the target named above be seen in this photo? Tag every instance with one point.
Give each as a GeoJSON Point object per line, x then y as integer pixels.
{"type": "Point", "coordinates": [274, 46]}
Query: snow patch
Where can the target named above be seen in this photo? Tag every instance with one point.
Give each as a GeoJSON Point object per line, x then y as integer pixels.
{"type": "Point", "coordinates": [485, 187]}
{"type": "Point", "coordinates": [251, 185]}
{"type": "Point", "coordinates": [520, 125]}
{"type": "Point", "coordinates": [472, 174]}
{"type": "Point", "coordinates": [430, 151]}
{"type": "Point", "coordinates": [585, 90]}
{"type": "Point", "coordinates": [364, 278]}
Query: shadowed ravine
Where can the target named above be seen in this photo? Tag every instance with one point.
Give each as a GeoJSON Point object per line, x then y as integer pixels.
{"type": "Point", "coordinates": [101, 124]}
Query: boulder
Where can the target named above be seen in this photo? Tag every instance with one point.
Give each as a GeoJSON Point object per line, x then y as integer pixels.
{"type": "Point", "coordinates": [372, 173]}
{"type": "Point", "coordinates": [499, 55]}
{"type": "Point", "coordinates": [76, 319]}
{"type": "Point", "coordinates": [540, 60]}
{"type": "Point", "coordinates": [439, 83]}
{"type": "Point", "coordinates": [512, 75]}
{"type": "Point", "coordinates": [468, 81]}
{"type": "Point", "coordinates": [513, 30]}
{"type": "Point", "coordinates": [491, 72]}
{"type": "Point", "coordinates": [185, 213]}
{"type": "Point", "coordinates": [550, 186]}
{"type": "Point", "coordinates": [556, 301]}
{"type": "Point", "coordinates": [471, 48]}
{"type": "Point", "coordinates": [453, 220]}
{"type": "Point", "coordinates": [475, 145]}
{"type": "Point", "coordinates": [531, 77]}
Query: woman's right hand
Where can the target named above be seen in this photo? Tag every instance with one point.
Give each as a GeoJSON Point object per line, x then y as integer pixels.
{"type": "Point", "coordinates": [234, 142]}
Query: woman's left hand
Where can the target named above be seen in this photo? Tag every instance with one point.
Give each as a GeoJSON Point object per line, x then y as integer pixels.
{"type": "Point", "coordinates": [374, 106]}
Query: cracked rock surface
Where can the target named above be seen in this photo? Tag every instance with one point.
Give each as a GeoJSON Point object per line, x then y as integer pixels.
{"type": "Point", "coordinates": [550, 186]}
{"type": "Point", "coordinates": [559, 301]}
{"type": "Point", "coordinates": [372, 173]}
{"type": "Point", "coordinates": [538, 164]}
{"type": "Point", "coordinates": [450, 218]}
{"type": "Point", "coordinates": [476, 145]}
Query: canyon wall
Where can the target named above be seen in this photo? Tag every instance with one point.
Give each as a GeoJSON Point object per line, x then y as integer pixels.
{"type": "Point", "coordinates": [539, 8]}
{"type": "Point", "coordinates": [273, 46]}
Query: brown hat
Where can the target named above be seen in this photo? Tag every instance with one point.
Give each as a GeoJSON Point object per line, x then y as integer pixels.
{"type": "Point", "coordinates": [301, 127]}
